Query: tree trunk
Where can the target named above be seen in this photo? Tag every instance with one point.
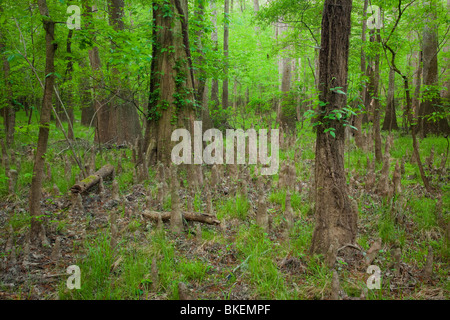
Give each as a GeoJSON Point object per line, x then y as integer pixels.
{"type": "Point", "coordinates": [8, 112]}
{"type": "Point", "coordinates": [124, 125]}
{"type": "Point", "coordinates": [287, 110]}
{"type": "Point", "coordinates": [214, 81]}
{"type": "Point", "coordinates": [374, 91]}
{"type": "Point", "coordinates": [38, 168]}
{"type": "Point", "coordinates": [359, 141]}
{"type": "Point", "coordinates": [445, 93]}
{"type": "Point", "coordinates": [336, 220]}
{"type": "Point", "coordinates": [431, 98]}
{"type": "Point", "coordinates": [101, 108]}
{"type": "Point", "coordinates": [390, 118]}
{"type": "Point", "coordinates": [200, 74]}
{"type": "Point", "coordinates": [226, 33]}
{"type": "Point", "coordinates": [69, 90]}
{"type": "Point", "coordinates": [171, 85]}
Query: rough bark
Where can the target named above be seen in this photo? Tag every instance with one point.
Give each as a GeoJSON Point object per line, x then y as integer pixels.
{"type": "Point", "coordinates": [171, 85]}
{"type": "Point", "coordinates": [431, 99]}
{"type": "Point", "coordinates": [336, 221]}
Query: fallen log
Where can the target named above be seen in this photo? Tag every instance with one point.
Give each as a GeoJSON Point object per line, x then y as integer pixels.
{"type": "Point", "coordinates": [189, 216]}
{"type": "Point", "coordinates": [85, 184]}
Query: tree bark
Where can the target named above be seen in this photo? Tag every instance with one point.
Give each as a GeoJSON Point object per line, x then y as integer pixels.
{"type": "Point", "coordinates": [171, 86]}
{"type": "Point", "coordinates": [431, 99]}
{"type": "Point", "coordinates": [38, 168]}
{"type": "Point", "coordinates": [226, 33]}
{"type": "Point", "coordinates": [390, 118]}
{"type": "Point", "coordinates": [336, 221]}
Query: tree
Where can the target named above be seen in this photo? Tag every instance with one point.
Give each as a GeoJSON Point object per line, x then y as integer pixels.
{"type": "Point", "coordinates": [431, 95]}
{"type": "Point", "coordinates": [39, 160]}
{"type": "Point", "coordinates": [363, 93]}
{"type": "Point", "coordinates": [123, 126]}
{"type": "Point", "coordinates": [336, 220]}
{"type": "Point", "coordinates": [390, 118]}
{"type": "Point", "coordinates": [172, 100]}
{"type": "Point", "coordinates": [8, 112]}
{"type": "Point", "coordinates": [373, 90]}
{"type": "Point", "coordinates": [226, 34]}
{"type": "Point", "coordinates": [214, 81]}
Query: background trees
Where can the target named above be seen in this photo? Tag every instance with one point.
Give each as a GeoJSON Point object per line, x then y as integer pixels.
{"type": "Point", "coordinates": [136, 70]}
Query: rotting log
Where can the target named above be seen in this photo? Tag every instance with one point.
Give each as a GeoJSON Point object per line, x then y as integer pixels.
{"type": "Point", "coordinates": [85, 184]}
{"type": "Point", "coordinates": [189, 216]}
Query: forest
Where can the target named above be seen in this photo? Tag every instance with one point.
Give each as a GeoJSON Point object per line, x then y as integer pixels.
{"type": "Point", "coordinates": [225, 150]}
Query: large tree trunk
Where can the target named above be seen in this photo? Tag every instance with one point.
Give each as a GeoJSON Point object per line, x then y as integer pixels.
{"type": "Point", "coordinates": [336, 220]}
{"type": "Point", "coordinates": [171, 86]}
{"type": "Point", "coordinates": [390, 118]}
{"type": "Point", "coordinates": [431, 99]}
{"type": "Point", "coordinates": [39, 160]}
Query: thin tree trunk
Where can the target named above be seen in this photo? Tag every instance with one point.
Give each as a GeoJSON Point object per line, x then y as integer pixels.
{"type": "Point", "coordinates": [390, 119]}
{"type": "Point", "coordinates": [39, 160]}
{"type": "Point", "coordinates": [359, 141]}
{"type": "Point", "coordinates": [374, 81]}
{"type": "Point", "coordinates": [226, 33]}
{"type": "Point", "coordinates": [214, 82]}
{"type": "Point", "coordinates": [9, 114]}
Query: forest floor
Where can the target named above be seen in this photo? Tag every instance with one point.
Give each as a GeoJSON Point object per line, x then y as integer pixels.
{"type": "Point", "coordinates": [235, 260]}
